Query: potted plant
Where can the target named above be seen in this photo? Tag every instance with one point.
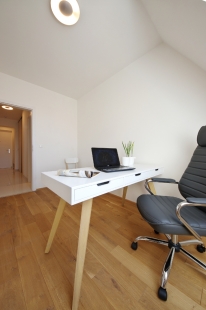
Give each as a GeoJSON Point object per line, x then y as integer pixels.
{"type": "Point", "coordinates": [128, 160]}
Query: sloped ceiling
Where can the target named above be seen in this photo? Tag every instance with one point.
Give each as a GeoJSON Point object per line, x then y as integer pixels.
{"type": "Point", "coordinates": [109, 35]}
{"type": "Point", "coordinates": [182, 25]}
{"type": "Point", "coordinates": [72, 60]}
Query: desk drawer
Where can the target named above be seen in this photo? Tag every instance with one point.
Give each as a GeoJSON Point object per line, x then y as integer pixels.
{"type": "Point", "coordinates": [94, 190]}
{"type": "Point", "coordinates": [137, 177]}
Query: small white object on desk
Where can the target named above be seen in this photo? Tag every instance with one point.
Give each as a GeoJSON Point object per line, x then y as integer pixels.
{"type": "Point", "coordinates": [80, 173]}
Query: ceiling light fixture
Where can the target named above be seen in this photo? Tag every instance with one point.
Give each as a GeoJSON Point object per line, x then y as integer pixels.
{"type": "Point", "coordinates": [66, 11]}
{"type": "Point", "coordinates": [6, 107]}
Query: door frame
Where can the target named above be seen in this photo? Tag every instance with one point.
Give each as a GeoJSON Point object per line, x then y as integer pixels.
{"type": "Point", "coordinates": [33, 151]}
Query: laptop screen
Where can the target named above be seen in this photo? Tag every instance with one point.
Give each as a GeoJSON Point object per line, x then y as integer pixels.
{"type": "Point", "coordinates": [105, 157]}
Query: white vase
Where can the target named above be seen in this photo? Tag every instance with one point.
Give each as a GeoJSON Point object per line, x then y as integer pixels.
{"type": "Point", "coordinates": [128, 161]}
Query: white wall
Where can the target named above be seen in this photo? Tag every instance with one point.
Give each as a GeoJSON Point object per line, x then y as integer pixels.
{"type": "Point", "coordinates": [54, 123]}
{"type": "Point", "coordinates": [159, 101]}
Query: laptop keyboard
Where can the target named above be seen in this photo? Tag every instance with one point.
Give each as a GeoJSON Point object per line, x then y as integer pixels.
{"type": "Point", "coordinates": [117, 169]}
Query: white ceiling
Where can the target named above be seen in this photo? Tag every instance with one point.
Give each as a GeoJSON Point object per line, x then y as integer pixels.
{"type": "Point", "coordinates": [182, 25]}
{"type": "Point", "coordinates": [72, 60]}
{"type": "Point", "coordinates": [109, 35]}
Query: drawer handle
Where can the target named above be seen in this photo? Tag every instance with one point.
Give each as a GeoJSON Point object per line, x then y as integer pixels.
{"type": "Point", "coordinates": [137, 174]}
{"type": "Point", "coordinates": [156, 169]}
{"type": "Point", "coordinates": [103, 183]}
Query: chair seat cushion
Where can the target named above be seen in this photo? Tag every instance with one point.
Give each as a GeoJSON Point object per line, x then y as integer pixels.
{"type": "Point", "coordinates": [160, 213]}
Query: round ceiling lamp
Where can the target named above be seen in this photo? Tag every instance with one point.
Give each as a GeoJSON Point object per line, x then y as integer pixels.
{"type": "Point", "coordinates": [6, 107]}
{"type": "Point", "coordinates": [66, 11]}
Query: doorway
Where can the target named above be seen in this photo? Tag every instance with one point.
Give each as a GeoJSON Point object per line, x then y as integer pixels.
{"type": "Point", "coordinates": [16, 170]}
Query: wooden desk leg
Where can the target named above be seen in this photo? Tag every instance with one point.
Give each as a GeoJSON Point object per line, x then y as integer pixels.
{"type": "Point", "coordinates": [124, 194]}
{"type": "Point", "coordinates": [152, 187]}
{"type": "Point", "coordinates": [81, 251]}
{"type": "Point", "coordinates": [55, 224]}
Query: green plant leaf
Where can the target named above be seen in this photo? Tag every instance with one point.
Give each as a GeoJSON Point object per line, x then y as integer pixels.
{"type": "Point", "coordinates": [128, 148]}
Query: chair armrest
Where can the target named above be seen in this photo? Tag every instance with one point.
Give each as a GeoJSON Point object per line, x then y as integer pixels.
{"type": "Point", "coordinates": [159, 180]}
{"type": "Point", "coordinates": [197, 202]}
{"type": "Point", "coordinates": [163, 180]}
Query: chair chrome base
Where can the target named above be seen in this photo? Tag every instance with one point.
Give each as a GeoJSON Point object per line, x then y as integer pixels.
{"type": "Point", "coordinates": [174, 246]}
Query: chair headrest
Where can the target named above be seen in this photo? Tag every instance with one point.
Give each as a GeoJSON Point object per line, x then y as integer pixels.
{"type": "Point", "coordinates": [201, 137]}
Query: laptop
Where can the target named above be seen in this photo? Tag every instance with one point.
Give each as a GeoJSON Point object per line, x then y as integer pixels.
{"type": "Point", "coordinates": [107, 160]}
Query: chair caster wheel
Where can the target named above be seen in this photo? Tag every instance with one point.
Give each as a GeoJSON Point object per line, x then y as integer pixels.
{"type": "Point", "coordinates": [134, 245]}
{"type": "Point", "coordinates": [162, 293]}
{"type": "Point", "coordinates": [200, 248]}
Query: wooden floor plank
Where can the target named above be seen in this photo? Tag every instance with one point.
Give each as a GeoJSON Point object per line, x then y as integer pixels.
{"type": "Point", "coordinates": [19, 230]}
{"type": "Point", "coordinates": [42, 222]}
{"type": "Point", "coordinates": [92, 296]}
{"type": "Point", "coordinates": [11, 295]}
{"type": "Point", "coordinates": [32, 206]}
{"type": "Point", "coordinates": [114, 292]}
{"type": "Point", "coordinates": [8, 262]}
{"type": "Point", "coordinates": [5, 222]}
{"type": "Point", "coordinates": [34, 287]}
{"type": "Point", "coordinates": [26, 215]}
{"type": "Point", "coordinates": [116, 269]}
{"type": "Point", "coordinates": [51, 270]}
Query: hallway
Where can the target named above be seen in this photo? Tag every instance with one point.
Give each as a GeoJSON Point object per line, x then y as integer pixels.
{"type": "Point", "coordinates": [12, 182]}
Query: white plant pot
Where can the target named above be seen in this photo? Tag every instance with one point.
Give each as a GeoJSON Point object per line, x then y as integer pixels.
{"type": "Point", "coordinates": [128, 161]}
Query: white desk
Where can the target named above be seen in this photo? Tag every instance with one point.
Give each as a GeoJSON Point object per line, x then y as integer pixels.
{"type": "Point", "coordinates": [75, 190]}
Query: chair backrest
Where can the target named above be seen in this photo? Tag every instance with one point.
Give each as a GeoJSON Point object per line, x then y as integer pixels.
{"type": "Point", "coordinates": [71, 162]}
{"type": "Point", "coordinates": [193, 181]}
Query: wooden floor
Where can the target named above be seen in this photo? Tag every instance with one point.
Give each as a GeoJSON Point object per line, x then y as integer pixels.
{"type": "Point", "coordinates": [115, 276]}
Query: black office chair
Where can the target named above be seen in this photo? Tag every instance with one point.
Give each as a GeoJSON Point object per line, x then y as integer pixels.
{"type": "Point", "coordinates": [173, 216]}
